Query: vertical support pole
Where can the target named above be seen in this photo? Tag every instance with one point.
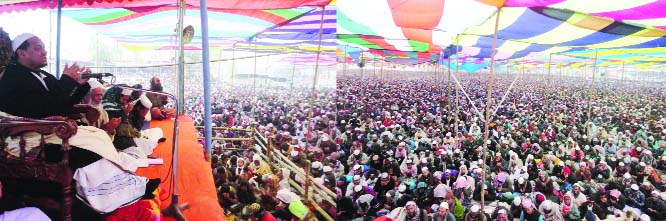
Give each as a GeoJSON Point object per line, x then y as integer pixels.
{"type": "Point", "coordinates": [488, 103]}
{"type": "Point", "coordinates": [550, 65]}
{"type": "Point", "coordinates": [307, 181]}
{"type": "Point", "coordinates": [316, 71]}
{"type": "Point", "coordinates": [233, 63]}
{"type": "Point", "coordinates": [591, 93]}
{"type": "Point", "coordinates": [269, 154]}
{"type": "Point", "coordinates": [254, 80]}
{"type": "Point", "coordinates": [313, 94]}
{"type": "Point", "coordinates": [181, 56]}
{"type": "Point", "coordinates": [448, 81]}
{"type": "Point", "coordinates": [58, 32]}
{"type": "Point", "coordinates": [622, 82]}
{"type": "Point", "coordinates": [208, 131]}
{"type": "Point", "coordinates": [457, 89]}
{"type": "Point", "coordinates": [291, 85]}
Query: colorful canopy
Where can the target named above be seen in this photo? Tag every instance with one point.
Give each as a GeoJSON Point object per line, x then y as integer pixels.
{"type": "Point", "coordinates": [142, 5]}
{"type": "Point", "coordinates": [528, 29]}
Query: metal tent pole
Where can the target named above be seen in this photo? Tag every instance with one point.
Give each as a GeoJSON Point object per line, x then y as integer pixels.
{"type": "Point", "coordinates": [181, 56]}
{"type": "Point", "coordinates": [488, 103]}
{"type": "Point", "coordinates": [58, 33]}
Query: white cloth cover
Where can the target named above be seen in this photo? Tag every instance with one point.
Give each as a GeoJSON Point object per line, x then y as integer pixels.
{"type": "Point", "coordinates": [105, 187]}
{"type": "Point", "coordinates": [27, 213]}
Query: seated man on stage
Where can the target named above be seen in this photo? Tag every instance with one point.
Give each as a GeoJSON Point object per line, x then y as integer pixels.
{"type": "Point", "coordinates": [105, 179]}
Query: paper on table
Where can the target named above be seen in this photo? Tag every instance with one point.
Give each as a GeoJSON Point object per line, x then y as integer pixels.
{"type": "Point", "coordinates": [148, 161]}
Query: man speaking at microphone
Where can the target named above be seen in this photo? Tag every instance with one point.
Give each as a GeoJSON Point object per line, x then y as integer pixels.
{"type": "Point", "coordinates": [28, 91]}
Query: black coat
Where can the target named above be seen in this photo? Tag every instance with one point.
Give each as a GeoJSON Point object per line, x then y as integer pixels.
{"type": "Point", "coordinates": [22, 94]}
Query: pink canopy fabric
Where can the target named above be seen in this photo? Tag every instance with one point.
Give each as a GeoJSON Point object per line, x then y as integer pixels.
{"type": "Point", "coordinates": [143, 4]}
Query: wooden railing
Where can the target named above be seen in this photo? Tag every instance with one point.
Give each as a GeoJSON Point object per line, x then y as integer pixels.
{"type": "Point", "coordinates": [277, 160]}
{"type": "Point", "coordinates": [251, 138]}
{"type": "Point", "coordinates": [307, 189]}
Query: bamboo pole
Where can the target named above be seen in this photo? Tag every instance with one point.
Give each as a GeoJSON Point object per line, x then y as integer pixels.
{"type": "Point", "coordinates": [225, 128]}
{"type": "Point", "coordinates": [488, 103]}
{"type": "Point", "coordinates": [233, 62]}
{"type": "Point", "coordinates": [591, 93]}
{"type": "Point", "coordinates": [622, 82]}
{"type": "Point", "coordinates": [550, 64]}
{"type": "Point", "coordinates": [448, 82]}
{"type": "Point", "coordinates": [457, 90]}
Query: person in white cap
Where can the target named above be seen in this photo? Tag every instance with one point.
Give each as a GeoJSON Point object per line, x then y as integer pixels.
{"type": "Point", "coordinates": [550, 211]}
{"type": "Point", "coordinates": [443, 213]}
{"type": "Point", "coordinates": [654, 206]}
{"type": "Point", "coordinates": [414, 213]}
{"type": "Point", "coordinates": [577, 196]}
{"type": "Point", "coordinates": [258, 166]}
{"type": "Point", "coordinates": [502, 214]}
{"type": "Point", "coordinates": [635, 198]}
{"type": "Point", "coordinates": [475, 214]}
{"type": "Point", "coordinates": [96, 94]}
{"type": "Point", "coordinates": [28, 91]}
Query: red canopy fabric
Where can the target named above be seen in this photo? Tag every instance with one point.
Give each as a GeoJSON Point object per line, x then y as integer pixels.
{"type": "Point", "coordinates": [140, 4]}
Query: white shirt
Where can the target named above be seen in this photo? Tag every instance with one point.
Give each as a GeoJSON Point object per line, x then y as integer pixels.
{"type": "Point", "coordinates": [40, 77]}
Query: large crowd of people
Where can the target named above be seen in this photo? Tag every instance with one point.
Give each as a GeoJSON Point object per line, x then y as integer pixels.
{"type": "Point", "coordinates": [243, 178]}
{"type": "Point", "coordinates": [410, 146]}
{"type": "Point", "coordinates": [410, 151]}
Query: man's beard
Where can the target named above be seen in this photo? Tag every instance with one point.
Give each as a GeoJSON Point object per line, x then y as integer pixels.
{"type": "Point", "coordinates": [156, 87]}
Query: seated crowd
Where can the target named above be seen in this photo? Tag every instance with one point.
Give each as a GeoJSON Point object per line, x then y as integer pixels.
{"type": "Point", "coordinates": [248, 186]}
{"type": "Point", "coordinates": [408, 150]}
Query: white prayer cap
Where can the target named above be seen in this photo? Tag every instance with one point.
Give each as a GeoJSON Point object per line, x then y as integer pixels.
{"type": "Point", "coordinates": [327, 169]}
{"type": "Point", "coordinates": [475, 208]}
{"type": "Point", "coordinates": [358, 188]}
{"type": "Point", "coordinates": [256, 157]}
{"type": "Point", "coordinates": [444, 205]}
{"type": "Point", "coordinates": [94, 84]}
{"type": "Point", "coordinates": [316, 165]}
{"type": "Point", "coordinates": [384, 175]}
{"type": "Point", "coordinates": [357, 167]}
{"type": "Point", "coordinates": [19, 39]}
{"type": "Point", "coordinates": [402, 188]}
{"type": "Point", "coordinates": [145, 101]}
{"type": "Point", "coordinates": [521, 180]}
{"type": "Point", "coordinates": [294, 153]}
{"type": "Point", "coordinates": [547, 205]}
{"type": "Point", "coordinates": [626, 175]}
{"type": "Point", "coordinates": [634, 186]}
{"type": "Point", "coordinates": [408, 161]}
{"type": "Point", "coordinates": [501, 211]}
{"type": "Point", "coordinates": [410, 203]}
{"type": "Point", "coordinates": [357, 177]}
{"type": "Point", "coordinates": [517, 201]}
{"type": "Point", "coordinates": [127, 91]}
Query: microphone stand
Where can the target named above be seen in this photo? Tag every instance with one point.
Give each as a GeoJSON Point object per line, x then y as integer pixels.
{"type": "Point", "coordinates": [174, 209]}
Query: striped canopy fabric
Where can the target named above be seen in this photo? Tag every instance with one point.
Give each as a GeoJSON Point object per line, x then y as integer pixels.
{"type": "Point", "coordinates": [142, 5]}
{"type": "Point", "coordinates": [528, 29]}
{"type": "Point", "coordinates": [155, 29]}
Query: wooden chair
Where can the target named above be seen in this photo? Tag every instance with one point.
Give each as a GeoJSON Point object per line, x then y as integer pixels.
{"type": "Point", "coordinates": [33, 181]}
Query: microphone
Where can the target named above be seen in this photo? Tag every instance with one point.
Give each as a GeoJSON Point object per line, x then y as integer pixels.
{"type": "Point", "coordinates": [95, 75]}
